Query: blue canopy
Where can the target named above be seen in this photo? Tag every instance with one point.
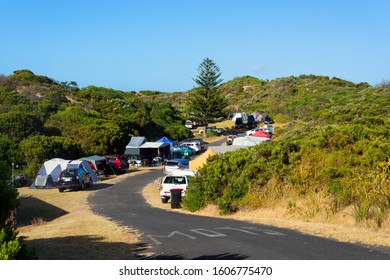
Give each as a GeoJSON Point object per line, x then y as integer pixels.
{"type": "Point", "coordinates": [166, 140]}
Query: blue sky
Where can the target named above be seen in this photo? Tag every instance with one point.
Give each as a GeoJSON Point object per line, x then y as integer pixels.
{"type": "Point", "coordinates": [158, 45]}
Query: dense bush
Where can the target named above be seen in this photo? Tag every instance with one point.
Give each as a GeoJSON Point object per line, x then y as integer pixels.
{"type": "Point", "coordinates": [11, 246]}
{"type": "Point", "coordinates": [52, 119]}
{"type": "Point", "coordinates": [349, 163]}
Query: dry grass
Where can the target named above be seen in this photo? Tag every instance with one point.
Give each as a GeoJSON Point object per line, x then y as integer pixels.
{"type": "Point", "coordinates": [62, 226]}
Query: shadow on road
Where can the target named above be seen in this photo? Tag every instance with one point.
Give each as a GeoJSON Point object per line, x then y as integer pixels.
{"type": "Point", "coordinates": [223, 256]}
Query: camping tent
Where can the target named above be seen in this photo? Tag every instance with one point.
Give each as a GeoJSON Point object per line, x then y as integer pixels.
{"type": "Point", "coordinates": [260, 134]}
{"type": "Point", "coordinates": [246, 141]}
{"type": "Point", "coordinates": [48, 174]}
{"type": "Point", "coordinates": [166, 140]}
{"type": "Point", "coordinates": [151, 150]}
{"type": "Point", "coordinates": [244, 116]}
{"type": "Point", "coordinates": [85, 165]}
{"type": "Point", "coordinates": [96, 161]}
{"type": "Point", "coordinates": [133, 147]}
{"type": "Point", "coordinates": [99, 164]}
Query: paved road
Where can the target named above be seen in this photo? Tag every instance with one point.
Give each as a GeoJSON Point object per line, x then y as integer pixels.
{"type": "Point", "coordinates": [173, 235]}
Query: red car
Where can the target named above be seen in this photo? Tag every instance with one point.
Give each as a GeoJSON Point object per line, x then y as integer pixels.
{"type": "Point", "coordinates": [118, 163]}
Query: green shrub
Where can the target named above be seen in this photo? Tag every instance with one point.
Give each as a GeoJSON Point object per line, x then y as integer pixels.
{"type": "Point", "coordinates": [347, 162]}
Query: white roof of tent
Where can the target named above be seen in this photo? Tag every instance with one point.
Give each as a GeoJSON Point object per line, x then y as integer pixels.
{"type": "Point", "coordinates": [154, 145]}
{"type": "Point", "coordinates": [53, 167]}
{"type": "Point", "coordinates": [246, 141]}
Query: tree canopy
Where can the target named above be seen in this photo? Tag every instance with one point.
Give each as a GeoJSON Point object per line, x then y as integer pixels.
{"type": "Point", "coordinates": [206, 102]}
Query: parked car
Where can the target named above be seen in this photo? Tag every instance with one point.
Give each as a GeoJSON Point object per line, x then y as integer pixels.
{"type": "Point", "coordinates": [74, 178]}
{"type": "Point", "coordinates": [250, 132]}
{"type": "Point", "coordinates": [268, 120]}
{"type": "Point", "coordinates": [118, 163]}
{"type": "Point", "coordinates": [229, 139]}
{"type": "Point", "coordinates": [198, 141]}
{"type": "Point", "coordinates": [175, 164]}
{"type": "Point", "coordinates": [193, 145]}
{"type": "Point", "coordinates": [269, 129]}
{"type": "Point", "coordinates": [173, 181]}
{"type": "Point", "coordinates": [182, 151]}
{"type": "Point", "coordinates": [239, 123]}
{"type": "Point", "coordinates": [212, 128]}
{"type": "Point", "coordinates": [188, 124]}
{"type": "Point", "coordinates": [251, 122]}
{"type": "Point", "coordinates": [266, 128]}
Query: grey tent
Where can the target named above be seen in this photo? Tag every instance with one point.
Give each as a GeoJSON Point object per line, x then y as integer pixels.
{"type": "Point", "coordinates": [95, 160]}
{"type": "Point", "coordinates": [85, 165]}
{"type": "Point", "coordinates": [47, 175]}
{"type": "Point", "coordinates": [133, 148]}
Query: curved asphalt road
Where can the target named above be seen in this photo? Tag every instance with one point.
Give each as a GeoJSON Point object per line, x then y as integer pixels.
{"type": "Point", "coordinates": [173, 235]}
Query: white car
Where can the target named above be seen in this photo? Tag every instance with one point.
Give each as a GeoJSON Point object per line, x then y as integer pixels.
{"type": "Point", "coordinates": [175, 164]}
{"type": "Point", "coordinates": [250, 132]}
{"type": "Point", "coordinates": [267, 129]}
{"type": "Point", "coordinates": [193, 145]}
{"type": "Point", "coordinates": [173, 182]}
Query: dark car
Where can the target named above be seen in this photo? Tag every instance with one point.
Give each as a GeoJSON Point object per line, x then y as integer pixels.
{"type": "Point", "coordinates": [239, 123]}
{"type": "Point", "coordinates": [75, 179]}
{"type": "Point", "coordinates": [251, 122]}
{"type": "Point", "coordinates": [268, 120]}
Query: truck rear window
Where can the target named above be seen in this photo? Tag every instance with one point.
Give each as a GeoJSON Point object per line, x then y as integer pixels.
{"type": "Point", "coordinates": [175, 180]}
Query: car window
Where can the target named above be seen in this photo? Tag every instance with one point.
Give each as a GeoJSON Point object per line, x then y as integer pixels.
{"type": "Point", "coordinates": [69, 173]}
{"type": "Point", "coordinates": [179, 180]}
{"type": "Point", "coordinates": [174, 180]}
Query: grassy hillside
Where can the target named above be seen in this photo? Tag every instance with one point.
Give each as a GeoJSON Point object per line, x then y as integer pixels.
{"type": "Point", "coordinates": [333, 152]}
{"type": "Point", "coordinates": [332, 155]}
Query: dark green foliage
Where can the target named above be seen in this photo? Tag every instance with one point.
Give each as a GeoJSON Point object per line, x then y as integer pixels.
{"type": "Point", "coordinates": [54, 119]}
{"type": "Point", "coordinates": [350, 162]}
{"type": "Point", "coordinates": [10, 151]}
{"type": "Point", "coordinates": [11, 246]}
{"type": "Point", "coordinates": [38, 149]}
{"type": "Point", "coordinates": [206, 101]}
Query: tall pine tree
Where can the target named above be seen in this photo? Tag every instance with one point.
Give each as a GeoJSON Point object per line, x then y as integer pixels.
{"type": "Point", "coordinates": [206, 103]}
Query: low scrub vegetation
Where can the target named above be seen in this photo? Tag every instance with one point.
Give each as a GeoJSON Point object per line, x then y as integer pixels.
{"type": "Point", "coordinates": [330, 159]}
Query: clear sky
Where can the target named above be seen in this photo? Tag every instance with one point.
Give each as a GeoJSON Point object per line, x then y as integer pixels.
{"type": "Point", "coordinates": [158, 44]}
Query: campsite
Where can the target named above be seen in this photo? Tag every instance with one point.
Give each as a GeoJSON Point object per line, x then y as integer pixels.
{"type": "Point", "coordinates": [138, 152]}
